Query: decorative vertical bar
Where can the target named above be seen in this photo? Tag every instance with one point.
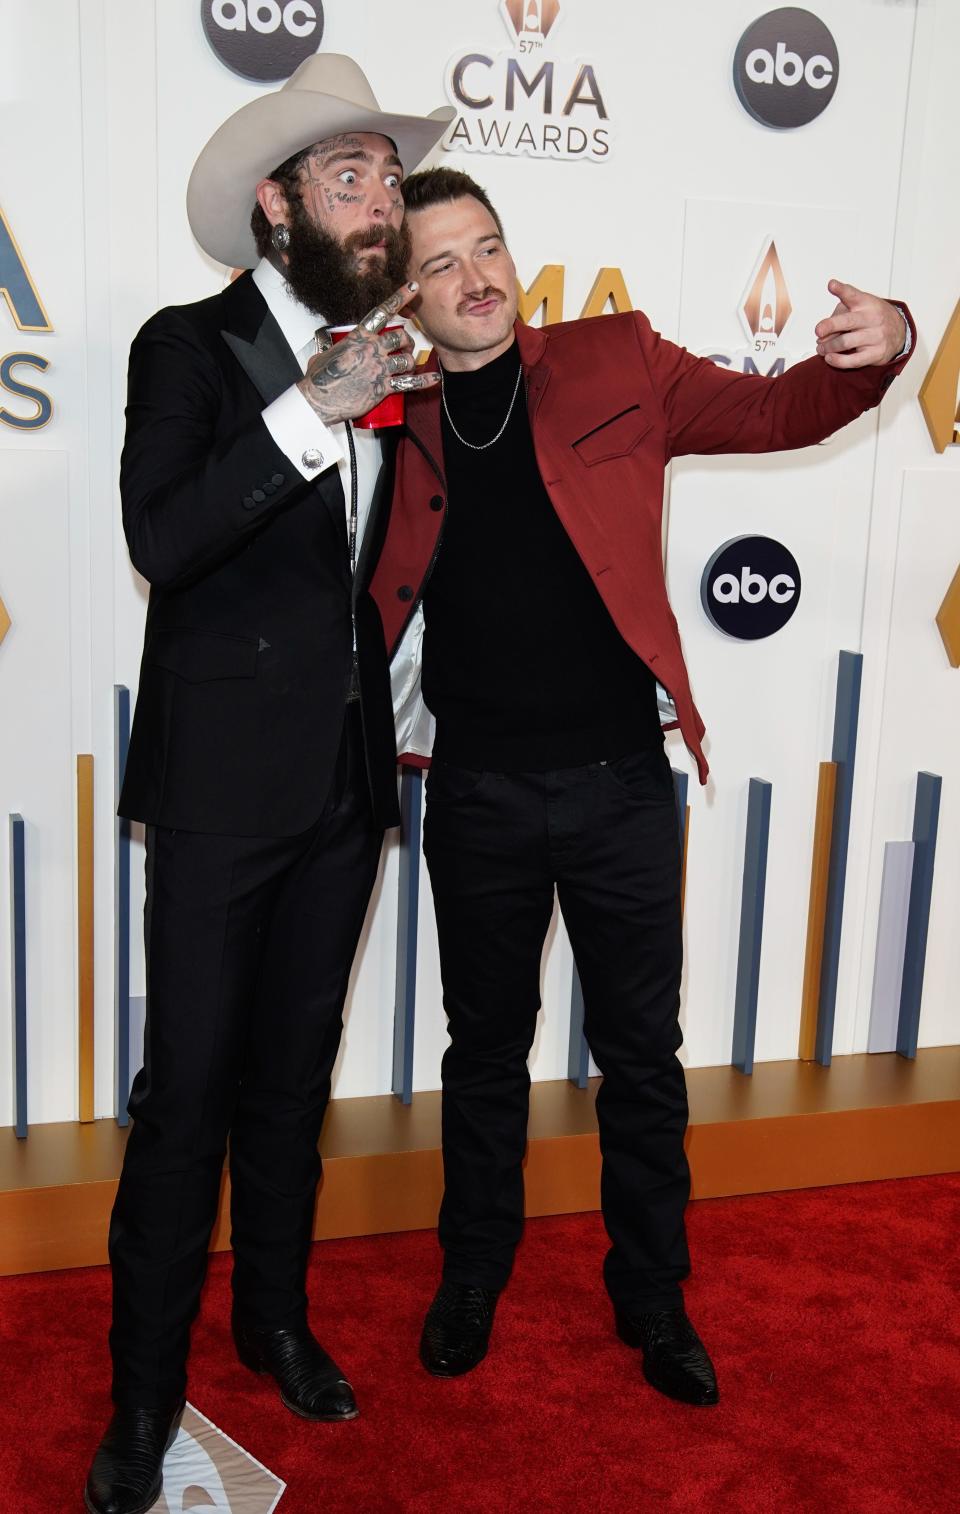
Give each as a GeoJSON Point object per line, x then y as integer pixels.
{"type": "Point", "coordinates": [18, 971]}
{"type": "Point", "coordinates": [680, 786]}
{"type": "Point", "coordinates": [121, 907]}
{"type": "Point", "coordinates": [751, 924]}
{"type": "Point", "coordinates": [578, 1054]}
{"type": "Point", "coordinates": [891, 945]}
{"type": "Point", "coordinates": [681, 783]}
{"type": "Point", "coordinates": [844, 755]}
{"type": "Point", "coordinates": [85, 1024]}
{"type": "Point", "coordinates": [408, 916]}
{"type": "Point", "coordinates": [926, 815]}
{"type": "Point", "coordinates": [817, 911]}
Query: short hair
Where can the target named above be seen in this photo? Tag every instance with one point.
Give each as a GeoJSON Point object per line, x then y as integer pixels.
{"type": "Point", "coordinates": [288, 177]}
{"type": "Point", "coordinates": [440, 186]}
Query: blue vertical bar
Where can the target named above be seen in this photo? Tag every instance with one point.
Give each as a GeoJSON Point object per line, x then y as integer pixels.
{"type": "Point", "coordinates": [578, 1053]}
{"type": "Point", "coordinates": [680, 784]}
{"type": "Point", "coordinates": [408, 916]}
{"type": "Point", "coordinates": [121, 906]}
{"type": "Point", "coordinates": [891, 945]}
{"type": "Point", "coordinates": [926, 816]}
{"type": "Point", "coordinates": [18, 971]}
{"type": "Point", "coordinates": [751, 924]}
{"type": "Point", "coordinates": [847, 713]}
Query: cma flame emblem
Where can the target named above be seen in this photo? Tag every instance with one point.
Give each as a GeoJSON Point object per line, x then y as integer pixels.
{"type": "Point", "coordinates": [191, 1480]}
{"type": "Point", "coordinates": [766, 307]}
{"type": "Point", "coordinates": [205, 1472]}
{"type": "Point", "coordinates": [531, 19]}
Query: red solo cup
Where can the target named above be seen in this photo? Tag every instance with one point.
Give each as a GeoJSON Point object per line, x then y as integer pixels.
{"type": "Point", "coordinates": [389, 412]}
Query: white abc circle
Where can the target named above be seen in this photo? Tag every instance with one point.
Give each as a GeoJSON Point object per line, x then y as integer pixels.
{"type": "Point", "coordinates": [787, 68]}
{"type": "Point", "coordinates": [297, 17]}
{"type": "Point", "coordinates": [752, 587]}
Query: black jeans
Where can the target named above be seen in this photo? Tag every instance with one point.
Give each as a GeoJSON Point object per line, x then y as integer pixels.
{"type": "Point", "coordinates": [496, 845]}
{"type": "Point", "coordinates": [249, 947]}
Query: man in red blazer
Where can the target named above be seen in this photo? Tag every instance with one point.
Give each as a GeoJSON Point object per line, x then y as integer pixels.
{"type": "Point", "coordinates": [526, 529]}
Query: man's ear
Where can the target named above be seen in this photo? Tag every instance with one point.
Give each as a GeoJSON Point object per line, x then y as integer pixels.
{"type": "Point", "coordinates": [273, 202]}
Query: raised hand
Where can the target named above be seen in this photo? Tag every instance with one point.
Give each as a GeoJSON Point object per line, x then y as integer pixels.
{"type": "Point", "coordinates": [864, 331]}
{"type": "Point", "coordinates": [354, 375]}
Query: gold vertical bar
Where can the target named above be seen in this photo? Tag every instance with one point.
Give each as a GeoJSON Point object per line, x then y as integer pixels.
{"type": "Point", "coordinates": [686, 848]}
{"type": "Point", "coordinates": [85, 934]}
{"type": "Point", "coordinates": [817, 913]}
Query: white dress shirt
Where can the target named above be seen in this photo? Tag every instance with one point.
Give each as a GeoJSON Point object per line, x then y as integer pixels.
{"type": "Point", "coordinates": [311, 446]}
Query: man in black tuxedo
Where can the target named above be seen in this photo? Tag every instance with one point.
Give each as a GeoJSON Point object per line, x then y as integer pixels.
{"type": "Point", "coordinates": [262, 758]}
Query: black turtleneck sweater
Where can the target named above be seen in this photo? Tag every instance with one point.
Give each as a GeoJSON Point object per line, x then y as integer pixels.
{"type": "Point", "coordinates": [523, 667]}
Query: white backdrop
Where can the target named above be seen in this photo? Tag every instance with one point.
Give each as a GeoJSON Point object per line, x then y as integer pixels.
{"type": "Point", "coordinates": [103, 108]}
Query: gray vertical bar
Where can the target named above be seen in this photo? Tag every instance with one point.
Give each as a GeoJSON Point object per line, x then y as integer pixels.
{"type": "Point", "coordinates": [18, 971]}
{"type": "Point", "coordinates": [751, 923]}
{"type": "Point", "coordinates": [680, 784]}
{"type": "Point", "coordinates": [408, 915]}
{"type": "Point", "coordinates": [578, 1053]}
{"type": "Point", "coordinates": [121, 907]}
{"type": "Point", "coordinates": [891, 945]}
{"type": "Point", "coordinates": [926, 815]}
{"type": "Point", "coordinates": [846, 715]}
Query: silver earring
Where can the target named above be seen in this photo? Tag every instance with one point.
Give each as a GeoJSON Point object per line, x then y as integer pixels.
{"type": "Point", "coordinates": [280, 237]}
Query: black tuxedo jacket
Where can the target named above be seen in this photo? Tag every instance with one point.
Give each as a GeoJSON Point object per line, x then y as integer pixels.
{"type": "Point", "coordinates": [247, 650]}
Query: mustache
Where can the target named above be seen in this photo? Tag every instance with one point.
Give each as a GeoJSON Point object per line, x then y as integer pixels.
{"type": "Point", "coordinates": [372, 236]}
{"type": "Point", "coordinates": [490, 292]}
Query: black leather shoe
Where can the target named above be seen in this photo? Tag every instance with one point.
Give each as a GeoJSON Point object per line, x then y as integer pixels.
{"type": "Point", "coordinates": [675, 1360]}
{"type": "Point", "coordinates": [126, 1476]}
{"type": "Point", "coordinates": [310, 1382]}
{"type": "Point", "coordinates": [456, 1331]}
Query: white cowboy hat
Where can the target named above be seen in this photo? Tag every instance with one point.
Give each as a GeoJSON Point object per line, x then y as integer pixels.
{"type": "Point", "coordinates": [326, 95]}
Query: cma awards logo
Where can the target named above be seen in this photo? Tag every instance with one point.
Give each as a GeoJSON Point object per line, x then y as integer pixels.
{"type": "Point", "coordinates": [765, 310]}
{"type": "Point", "coordinates": [265, 40]}
{"type": "Point", "coordinates": [23, 406]}
{"type": "Point", "coordinates": [527, 101]}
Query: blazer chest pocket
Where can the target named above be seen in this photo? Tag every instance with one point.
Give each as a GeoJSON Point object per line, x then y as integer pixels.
{"type": "Point", "coordinates": [202, 656]}
{"type": "Point", "coordinates": [613, 438]}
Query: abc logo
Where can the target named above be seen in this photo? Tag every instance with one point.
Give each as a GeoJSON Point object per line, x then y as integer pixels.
{"type": "Point", "coordinates": [750, 587]}
{"type": "Point", "coordinates": [264, 40]}
{"type": "Point", "coordinates": [785, 68]}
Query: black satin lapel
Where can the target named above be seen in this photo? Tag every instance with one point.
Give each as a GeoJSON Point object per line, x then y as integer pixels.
{"type": "Point", "coordinates": [267, 360]}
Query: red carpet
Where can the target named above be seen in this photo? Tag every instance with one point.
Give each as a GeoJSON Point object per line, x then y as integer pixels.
{"type": "Point", "coordinates": [831, 1315]}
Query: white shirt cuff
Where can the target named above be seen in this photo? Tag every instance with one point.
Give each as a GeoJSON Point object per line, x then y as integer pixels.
{"type": "Point", "coordinates": [298, 431]}
{"type": "Point", "coordinates": [908, 344]}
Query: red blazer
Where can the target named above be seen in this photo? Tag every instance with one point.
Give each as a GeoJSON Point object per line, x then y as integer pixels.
{"type": "Point", "coordinates": [610, 403]}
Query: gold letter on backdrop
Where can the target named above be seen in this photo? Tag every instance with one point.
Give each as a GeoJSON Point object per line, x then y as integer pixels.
{"type": "Point", "coordinates": [938, 392]}
{"type": "Point", "coordinates": [546, 290]}
{"type": "Point", "coordinates": [608, 285]}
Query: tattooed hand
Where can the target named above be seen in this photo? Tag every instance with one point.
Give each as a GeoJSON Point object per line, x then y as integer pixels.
{"type": "Point", "coordinates": [353, 376]}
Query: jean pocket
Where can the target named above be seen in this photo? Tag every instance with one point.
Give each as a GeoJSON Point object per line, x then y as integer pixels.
{"type": "Point", "coordinates": [643, 775]}
{"type": "Point", "coordinates": [447, 784]}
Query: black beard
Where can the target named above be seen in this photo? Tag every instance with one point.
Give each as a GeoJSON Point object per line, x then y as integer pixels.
{"type": "Point", "coordinates": [325, 276]}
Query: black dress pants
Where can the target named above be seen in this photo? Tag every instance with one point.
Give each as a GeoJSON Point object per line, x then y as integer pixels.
{"type": "Point", "coordinates": [249, 947]}
{"type": "Point", "coordinates": [496, 845]}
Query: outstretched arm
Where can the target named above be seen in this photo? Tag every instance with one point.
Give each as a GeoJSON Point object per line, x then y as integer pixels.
{"type": "Point", "coordinates": [709, 409]}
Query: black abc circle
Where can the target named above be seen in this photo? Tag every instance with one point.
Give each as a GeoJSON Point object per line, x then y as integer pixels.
{"type": "Point", "coordinates": [745, 570]}
{"type": "Point", "coordinates": [237, 32]}
{"type": "Point", "coordinates": [786, 96]}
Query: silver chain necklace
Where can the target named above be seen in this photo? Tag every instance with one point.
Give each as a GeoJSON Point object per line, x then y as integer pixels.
{"type": "Point", "coordinates": [480, 446]}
